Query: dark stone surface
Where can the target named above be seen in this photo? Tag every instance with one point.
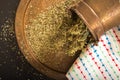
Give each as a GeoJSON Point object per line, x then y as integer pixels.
{"type": "Point", "coordinates": [13, 65]}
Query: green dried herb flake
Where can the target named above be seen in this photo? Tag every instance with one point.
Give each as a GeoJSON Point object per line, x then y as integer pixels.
{"type": "Point", "coordinates": [56, 29]}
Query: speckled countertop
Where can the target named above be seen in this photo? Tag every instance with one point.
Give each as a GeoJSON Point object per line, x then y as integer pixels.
{"type": "Point", "coordinates": [13, 65]}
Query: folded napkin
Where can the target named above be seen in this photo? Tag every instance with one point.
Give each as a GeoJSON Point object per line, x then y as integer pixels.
{"type": "Point", "coordinates": [101, 62]}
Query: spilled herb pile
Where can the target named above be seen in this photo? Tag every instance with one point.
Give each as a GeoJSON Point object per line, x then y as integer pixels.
{"type": "Point", "coordinates": [12, 61]}
{"type": "Point", "coordinates": [57, 28]}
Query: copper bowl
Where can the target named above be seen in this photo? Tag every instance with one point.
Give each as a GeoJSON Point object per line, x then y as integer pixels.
{"type": "Point", "coordinates": [23, 16]}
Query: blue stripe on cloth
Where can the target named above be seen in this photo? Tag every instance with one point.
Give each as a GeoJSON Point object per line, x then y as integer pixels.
{"type": "Point", "coordinates": [103, 65]}
{"type": "Point", "coordinates": [86, 69]}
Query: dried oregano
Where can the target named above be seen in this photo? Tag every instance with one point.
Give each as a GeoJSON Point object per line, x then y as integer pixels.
{"type": "Point", "coordinates": [56, 29]}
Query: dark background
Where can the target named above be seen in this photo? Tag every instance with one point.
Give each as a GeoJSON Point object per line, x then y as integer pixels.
{"type": "Point", "coordinates": [13, 65]}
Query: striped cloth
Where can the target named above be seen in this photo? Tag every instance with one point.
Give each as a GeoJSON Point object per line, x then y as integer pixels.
{"type": "Point", "coordinates": [100, 62]}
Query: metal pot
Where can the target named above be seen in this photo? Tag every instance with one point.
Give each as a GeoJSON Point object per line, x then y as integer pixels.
{"type": "Point", "coordinates": [98, 15]}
